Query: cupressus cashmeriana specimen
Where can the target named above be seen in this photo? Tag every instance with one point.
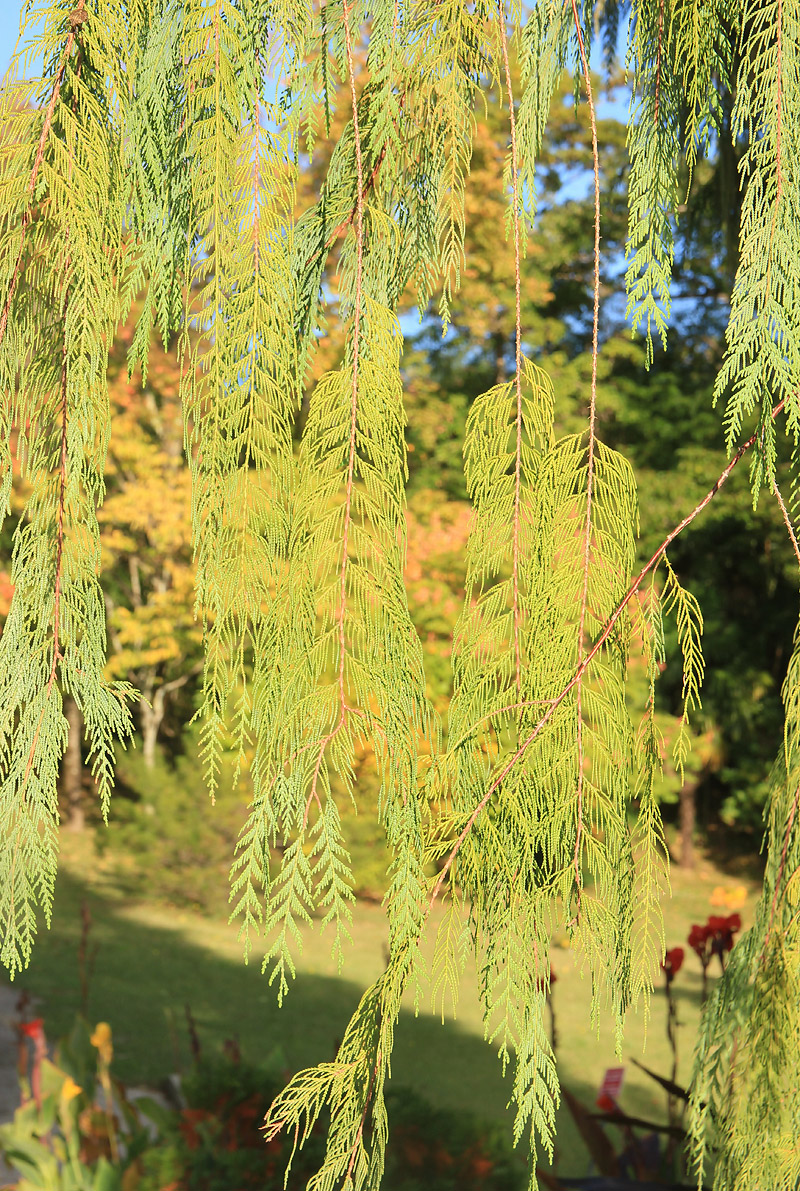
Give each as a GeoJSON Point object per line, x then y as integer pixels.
{"type": "Point", "coordinates": [151, 162]}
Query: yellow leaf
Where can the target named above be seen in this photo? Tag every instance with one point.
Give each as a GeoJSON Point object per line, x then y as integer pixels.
{"type": "Point", "coordinates": [70, 1090]}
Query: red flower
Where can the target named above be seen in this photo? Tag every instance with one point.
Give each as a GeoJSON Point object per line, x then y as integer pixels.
{"type": "Point", "coordinates": [32, 1029]}
{"type": "Point", "coordinates": [715, 938]}
{"type": "Point", "coordinates": [672, 963]}
{"type": "Point", "coordinates": [698, 940]}
{"type": "Point", "coordinates": [721, 931]}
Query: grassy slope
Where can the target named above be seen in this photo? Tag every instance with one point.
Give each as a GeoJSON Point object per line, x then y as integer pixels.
{"type": "Point", "coordinates": [152, 961]}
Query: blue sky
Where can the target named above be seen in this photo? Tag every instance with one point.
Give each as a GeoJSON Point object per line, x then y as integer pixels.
{"type": "Point", "coordinates": [9, 31]}
{"type": "Point", "coordinates": [9, 28]}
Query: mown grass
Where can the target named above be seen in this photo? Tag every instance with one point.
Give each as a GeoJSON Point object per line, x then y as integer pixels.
{"type": "Point", "coordinates": [153, 960]}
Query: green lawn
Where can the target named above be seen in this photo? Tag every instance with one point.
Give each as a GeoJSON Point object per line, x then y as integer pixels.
{"type": "Point", "coordinates": [153, 960]}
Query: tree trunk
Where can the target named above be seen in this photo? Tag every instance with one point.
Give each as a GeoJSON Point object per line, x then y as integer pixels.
{"type": "Point", "coordinates": [72, 767]}
{"type": "Point", "coordinates": [687, 820]}
{"type": "Point", "coordinates": [151, 724]}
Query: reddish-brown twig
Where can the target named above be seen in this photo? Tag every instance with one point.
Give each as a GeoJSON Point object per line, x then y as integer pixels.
{"type": "Point", "coordinates": [590, 465]}
{"type": "Point", "coordinates": [658, 61]}
{"type": "Point", "coordinates": [351, 447]}
{"type": "Point", "coordinates": [363, 1121]}
{"type": "Point", "coordinates": [361, 196]}
{"type": "Point", "coordinates": [518, 360]}
{"type": "Point", "coordinates": [786, 520]}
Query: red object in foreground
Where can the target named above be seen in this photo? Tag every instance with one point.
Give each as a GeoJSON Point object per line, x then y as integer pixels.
{"type": "Point", "coordinates": [610, 1089]}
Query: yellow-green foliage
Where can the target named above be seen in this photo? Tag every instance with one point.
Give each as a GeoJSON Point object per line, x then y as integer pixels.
{"type": "Point", "coordinates": [746, 1080]}
{"type": "Point", "coordinates": [152, 165]}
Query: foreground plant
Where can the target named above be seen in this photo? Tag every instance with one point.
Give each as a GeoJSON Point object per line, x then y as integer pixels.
{"type": "Point", "coordinates": [152, 162]}
{"type": "Point", "coordinates": [64, 1136]}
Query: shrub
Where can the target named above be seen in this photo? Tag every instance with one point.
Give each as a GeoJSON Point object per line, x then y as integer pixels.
{"type": "Point", "coordinates": [215, 1143]}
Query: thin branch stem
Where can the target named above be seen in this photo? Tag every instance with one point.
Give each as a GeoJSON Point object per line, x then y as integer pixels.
{"type": "Point", "coordinates": [518, 361]}
{"type": "Point", "coordinates": [351, 449]}
{"type": "Point", "coordinates": [363, 1121]}
{"type": "Point", "coordinates": [604, 635]}
{"type": "Point", "coordinates": [787, 520]}
{"type": "Point", "coordinates": [590, 465]}
{"type": "Point", "coordinates": [363, 192]}
{"type": "Point", "coordinates": [659, 53]}
{"type": "Point", "coordinates": [491, 714]}
{"type": "Point", "coordinates": [781, 868]}
{"type": "Point", "coordinates": [356, 346]}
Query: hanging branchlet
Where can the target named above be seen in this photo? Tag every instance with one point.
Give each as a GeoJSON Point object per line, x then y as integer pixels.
{"type": "Point", "coordinates": [653, 146]}
{"type": "Point", "coordinates": [762, 361]}
{"type": "Point", "coordinates": [53, 359]}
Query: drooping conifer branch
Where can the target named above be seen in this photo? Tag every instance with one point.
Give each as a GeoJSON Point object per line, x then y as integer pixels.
{"type": "Point", "coordinates": [595, 649]}
{"type": "Point", "coordinates": [761, 360]}
{"type": "Point", "coordinates": [351, 443]}
{"type": "Point", "coordinates": [653, 146]}
{"type": "Point", "coordinates": [37, 163]}
{"type": "Point", "coordinates": [58, 568]}
{"type": "Point", "coordinates": [778, 158]}
{"type": "Point", "coordinates": [779, 883]}
{"type": "Point", "coordinates": [63, 413]}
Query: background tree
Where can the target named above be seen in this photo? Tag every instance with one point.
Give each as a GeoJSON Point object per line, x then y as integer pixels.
{"type": "Point", "coordinates": [146, 540]}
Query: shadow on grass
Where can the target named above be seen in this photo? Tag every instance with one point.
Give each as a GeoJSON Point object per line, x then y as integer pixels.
{"type": "Point", "coordinates": [145, 975]}
{"type": "Point", "coordinates": [736, 853]}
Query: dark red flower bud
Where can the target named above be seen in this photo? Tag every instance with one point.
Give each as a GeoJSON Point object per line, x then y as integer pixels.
{"type": "Point", "coordinates": [698, 941]}
{"type": "Point", "coordinates": [672, 962]}
{"type": "Point", "coordinates": [721, 931]}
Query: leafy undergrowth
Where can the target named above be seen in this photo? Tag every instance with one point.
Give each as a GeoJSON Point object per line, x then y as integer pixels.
{"type": "Point", "coordinates": [152, 961]}
{"type": "Point", "coordinates": [215, 1144]}
{"type": "Point", "coordinates": [78, 1128]}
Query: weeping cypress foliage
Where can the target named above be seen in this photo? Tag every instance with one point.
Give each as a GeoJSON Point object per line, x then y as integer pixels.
{"type": "Point", "coordinates": [151, 159]}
